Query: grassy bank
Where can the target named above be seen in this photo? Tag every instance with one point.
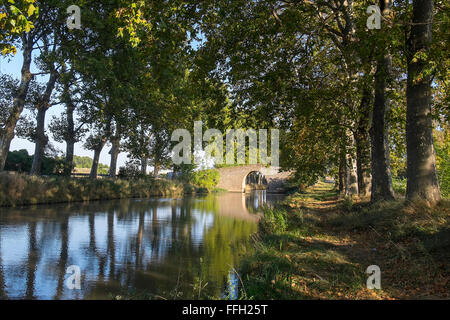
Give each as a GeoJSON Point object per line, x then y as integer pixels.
{"type": "Point", "coordinates": [20, 189]}
{"type": "Point", "coordinates": [317, 246]}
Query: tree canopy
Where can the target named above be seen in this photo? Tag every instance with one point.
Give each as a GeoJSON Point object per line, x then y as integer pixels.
{"type": "Point", "coordinates": [347, 99]}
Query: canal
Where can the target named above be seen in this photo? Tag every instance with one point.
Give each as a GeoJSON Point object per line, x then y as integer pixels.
{"type": "Point", "coordinates": [166, 248]}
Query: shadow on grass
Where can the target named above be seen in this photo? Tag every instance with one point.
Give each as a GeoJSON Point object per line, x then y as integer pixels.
{"type": "Point", "coordinates": [323, 251]}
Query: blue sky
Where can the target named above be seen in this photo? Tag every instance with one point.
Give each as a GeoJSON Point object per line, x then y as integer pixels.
{"type": "Point", "coordinates": [12, 66]}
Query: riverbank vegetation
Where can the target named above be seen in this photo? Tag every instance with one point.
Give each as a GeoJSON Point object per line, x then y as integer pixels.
{"type": "Point", "coordinates": [318, 246]}
{"type": "Point", "coordinates": [21, 189]}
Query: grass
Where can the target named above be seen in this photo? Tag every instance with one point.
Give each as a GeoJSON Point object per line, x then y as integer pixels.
{"type": "Point", "coordinates": [399, 186]}
{"type": "Point", "coordinates": [318, 246]}
{"type": "Point", "coordinates": [20, 189]}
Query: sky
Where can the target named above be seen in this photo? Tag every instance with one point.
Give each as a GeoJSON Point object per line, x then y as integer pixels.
{"type": "Point", "coordinates": [12, 66]}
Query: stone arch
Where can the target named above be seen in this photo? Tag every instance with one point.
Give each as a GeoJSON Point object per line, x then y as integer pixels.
{"type": "Point", "coordinates": [244, 182]}
{"type": "Point", "coordinates": [233, 178]}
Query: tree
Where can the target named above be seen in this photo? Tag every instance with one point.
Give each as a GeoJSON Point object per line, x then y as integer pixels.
{"type": "Point", "coordinates": [381, 172]}
{"type": "Point", "coordinates": [67, 127]}
{"type": "Point", "coordinates": [95, 143]}
{"type": "Point", "coordinates": [115, 150]}
{"type": "Point", "coordinates": [421, 172]}
{"type": "Point", "coordinates": [7, 130]}
{"type": "Point", "coordinates": [32, 39]}
{"type": "Point", "coordinates": [288, 75]}
{"type": "Point", "coordinates": [42, 104]}
{"type": "Point", "coordinates": [160, 149]}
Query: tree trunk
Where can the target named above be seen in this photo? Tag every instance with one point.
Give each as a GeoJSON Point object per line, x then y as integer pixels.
{"type": "Point", "coordinates": [351, 177]}
{"type": "Point", "coordinates": [363, 165]}
{"type": "Point", "coordinates": [41, 138]}
{"type": "Point", "coordinates": [381, 168]}
{"type": "Point", "coordinates": [70, 151]}
{"type": "Point", "coordinates": [97, 151]}
{"type": "Point", "coordinates": [7, 133]}
{"type": "Point", "coordinates": [341, 175]}
{"type": "Point", "coordinates": [70, 138]}
{"type": "Point", "coordinates": [156, 170]}
{"type": "Point", "coordinates": [115, 150]}
{"type": "Point", "coordinates": [144, 166]}
{"type": "Point", "coordinates": [41, 141]}
{"type": "Point", "coordinates": [421, 172]}
{"type": "Point", "coordinates": [362, 140]}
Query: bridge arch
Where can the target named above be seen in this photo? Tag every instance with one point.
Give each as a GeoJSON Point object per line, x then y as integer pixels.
{"type": "Point", "coordinates": [233, 178]}
{"type": "Point", "coordinates": [254, 178]}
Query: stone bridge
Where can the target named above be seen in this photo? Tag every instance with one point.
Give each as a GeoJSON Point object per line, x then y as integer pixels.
{"type": "Point", "coordinates": [233, 178]}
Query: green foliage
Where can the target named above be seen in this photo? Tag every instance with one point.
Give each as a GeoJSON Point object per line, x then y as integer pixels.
{"type": "Point", "coordinates": [130, 170]}
{"type": "Point", "coordinates": [185, 172]}
{"type": "Point", "coordinates": [399, 186]}
{"type": "Point", "coordinates": [347, 204]}
{"type": "Point", "coordinates": [15, 18]}
{"type": "Point", "coordinates": [82, 162]}
{"type": "Point", "coordinates": [86, 163]}
{"type": "Point", "coordinates": [397, 135]}
{"type": "Point", "coordinates": [21, 161]}
{"type": "Point", "coordinates": [158, 76]}
{"type": "Point", "coordinates": [18, 161]}
{"type": "Point", "coordinates": [274, 221]}
{"type": "Point", "coordinates": [205, 178]}
{"type": "Point", "coordinates": [442, 146]}
{"type": "Point", "coordinates": [103, 168]}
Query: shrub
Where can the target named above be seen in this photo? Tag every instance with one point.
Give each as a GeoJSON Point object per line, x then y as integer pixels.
{"type": "Point", "coordinates": [202, 190]}
{"type": "Point", "coordinates": [274, 220]}
{"type": "Point", "coordinates": [399, 186]}
{"type": "Point", "coordinates": [130, 170]}
{"type": "Point", "coordinates": [442, 145]}
{"type": "Point", "coordinates": [184, 172]}
{"type": "Point", "coordinates": [347, 204]}
{"type": "Point", "coordinates": [206, 178]}
{"type": "Point", "coordinates": [21, 161]}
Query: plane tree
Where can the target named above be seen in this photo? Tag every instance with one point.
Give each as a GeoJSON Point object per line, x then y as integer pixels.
{"type": "Point", "coordinates": [17, 29]}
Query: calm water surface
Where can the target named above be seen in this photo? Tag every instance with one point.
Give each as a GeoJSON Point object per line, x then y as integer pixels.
{"type": "Point", "coordinates": [139, 247]}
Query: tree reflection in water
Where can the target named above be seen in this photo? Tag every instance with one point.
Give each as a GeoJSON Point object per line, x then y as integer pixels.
{"type": "Point", "coordinates": [165, 247]}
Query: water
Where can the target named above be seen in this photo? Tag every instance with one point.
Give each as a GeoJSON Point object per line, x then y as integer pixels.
{"type": "Point", "coordinates": [170, 248]}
